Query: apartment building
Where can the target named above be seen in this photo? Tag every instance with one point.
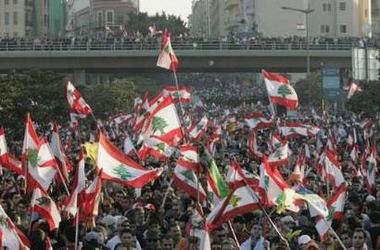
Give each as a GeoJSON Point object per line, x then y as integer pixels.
{"type": "Point", "coordinates": [330, 18]}
{"type": "Point", "coordinates": [16, 19]}
{"type": "Point", "coordinates": [101, 15]}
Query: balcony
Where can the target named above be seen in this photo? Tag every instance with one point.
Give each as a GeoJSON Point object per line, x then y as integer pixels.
{"type": "Point", "coordinates": [229, 4]}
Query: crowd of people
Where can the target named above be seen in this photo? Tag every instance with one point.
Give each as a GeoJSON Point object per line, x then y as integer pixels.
{"type": "Point", "coordinates": [138, 41]}
{"type": "Point", "coordinates": [160, 214]}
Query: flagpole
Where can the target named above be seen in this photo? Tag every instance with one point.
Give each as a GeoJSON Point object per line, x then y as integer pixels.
{"type": "Point", "coordinates": [63, 181]}
{"type": "Point", "coordinates": [77, 229]}
{"type": "Point", "coordinates": [166, 193]}
{"type": "Point", "coordinates": [233, 234]}
{"type": "Point", "coordinates": [335, 234]}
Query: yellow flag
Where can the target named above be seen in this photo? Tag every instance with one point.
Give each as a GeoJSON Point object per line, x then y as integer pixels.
{"type": "Point", "coordinates": [92, 151]}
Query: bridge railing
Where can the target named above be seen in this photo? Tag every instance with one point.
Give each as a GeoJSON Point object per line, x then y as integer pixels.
{"type": "Point", "coordinates": [212, 45]}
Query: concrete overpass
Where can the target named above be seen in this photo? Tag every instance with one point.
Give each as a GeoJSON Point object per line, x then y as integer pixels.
{"type": "Point", "coordinates": [191, 60]}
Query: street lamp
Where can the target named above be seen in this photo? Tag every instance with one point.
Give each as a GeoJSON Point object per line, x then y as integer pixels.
{"type": "Point", "coordinates": [306, 12]}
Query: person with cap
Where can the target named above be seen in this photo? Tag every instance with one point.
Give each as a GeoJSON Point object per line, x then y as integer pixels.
{"type": "Point", "coordinates": [152, 240]}
{"type": "Point", "coordinates": [94, 240]}
{"type": "Point", "coordinates": [303, 240]}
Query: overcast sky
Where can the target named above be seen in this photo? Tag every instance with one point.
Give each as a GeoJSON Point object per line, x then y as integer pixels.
{"type": "Point", "coordinates": [174, 7]}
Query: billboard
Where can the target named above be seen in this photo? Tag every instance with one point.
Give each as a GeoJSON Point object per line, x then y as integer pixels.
{"type": "Point", "coordinates": [331, 84]}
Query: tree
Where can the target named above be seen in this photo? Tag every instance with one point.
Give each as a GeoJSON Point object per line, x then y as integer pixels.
{"type": "Point", "coordinates": [310, 92]}
{"type": "Point", "coordinates": [367, 100]}
{"type": "Point", "coordinates": [141, 22]}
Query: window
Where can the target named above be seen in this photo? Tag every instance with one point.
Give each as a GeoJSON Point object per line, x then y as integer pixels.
{"type": "Point", "coordinates": [100, 19]}
{"type": "Point", "coordinates": [6, 2]}
{"type": "Point", "coordinates": [325, 29]}
{"type": "Point", "coordinates": [15, 34]}
{"type": "Point", "coordinates": [109, 17]}
{"type": "Point", "coordinates": [45, 20]}
{"type": "Point", "coordinates": [15, 18]}
{"type": "Point", "coordinates": [15, 2]}
{"type": "Point", "coordinates": [329, 7]}
{"type": "Point", "coordinates": [324, 7]}
{"type": "Point", "coordinates": [6, 18]}
{"type": "Point", "coordinates": [342, 6]}
{"type": "Point", "coordinates": [343, 28]}
{"type": "Point", "coordinates": [45, 3]}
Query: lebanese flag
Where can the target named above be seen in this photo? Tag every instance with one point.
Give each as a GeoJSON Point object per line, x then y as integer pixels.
{"type": "Point", "coordinates": [164, 122]}
{"type": "Point", "coordinates": [197, 228]}
{"type": "Point", "coordinates": [42, 167]}
{"type": "Point", "coordinates": [185, 178]}
{"type": "Point", "coordinates": [15, 165]}
{"type": "Point", "coordinates": [272, 182]}
{"type": "Point", "coordinates": [157, 148]}
{"type": "Point", "coordinates": [371, 170]}
{"type": "Point", "coordinates": [279, 156]}
{"type": "Point", "coordinates": [293, 130]}
{"type": "Point", "coordinates": [316, 205]}
{"type": "Point", "coordinates": [240, 200]}
{"type": "Point", "coordinates": [257, 121]}
{"type": "Point", "coordinates": [128, 147]}
{"type": "Point", "coordinates": [122, 119]}
{"type": "Point", "coordinates": [236, 173]}
{"type": "Point", "coordinates": [336, 211]}
{"type": "Point", "coordinates": [77, 105]}
{"type": "Point", "coordinates": [90, 207]}
{"type": "Point", "coordinates": [210, 145]}
{"type": "Point", "coordinates": [63, 162]}
{"type": "Point", "coordinates": [298, 173]}
{"type": "Point", "coordinates": [42, 204]}
{"type": "Point", "coordinates": [30, 140]}
{"type": "Point", "coordinates": [331, 171]}
{"type": "Point", "coordinates": [280, 91]}
{"type": "Point", "coordinates": [4, 160]}
{"type": "Point", "coordinates": [10, 236]}
{"type": "Point", "coordinates": [190, 154]}
{"type": "Point", "coordinates": [119, 168]}
{"type": "Point", "coordinates": [252, 145]}
{"type": "Point", "coordinates": [275, 142]}
{"type": "Point", "coordinates": [182, 94]}
{"type": "Point", "coordinates": [352, 90]}
{"type": "Point", "coordinates": [199, 129]}
{"type": "Point", "coordinates": [167, 58]}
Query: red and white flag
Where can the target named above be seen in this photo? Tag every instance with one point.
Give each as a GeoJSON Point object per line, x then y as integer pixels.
{"type": "Point", "coordinates": [77, 105]}
{"type": "Point", "coordinates": [292, 130]}
{"type": "Point", "coordinates": [164, 122]}
{"type": "Point", "coordinates": [157, 148]}
{"type": "Point", "coordinates": [239, 201]}
{"type": "Point", "coordinates": [30, 140]}
{"type": "Point", "coordinates": [42, 167]}
{"type": "Point", "coordinates": [280, 91]}
{"type": "Point", "coordinates": [119, 168]}
{"type": "Point", "coordinates": [58, 151]}
{"type": "Point", "coordinates": [92, 198]}
{"type": "Point", "coordinates": [279, 156]}
{"type": "Point", "coordinates": [182, 94]}
{"type": "Point", "coordinates": [257, 121]}
{"type": "Point", "coordinates": [332, 172]}
{"type": "Point", "coordinates": [4, 159]}
{"type": "Point", "coordinates": [42, 204]}
{"type": "Point", "coordinates": [167, 58]}
{"type": "Point", "coordinates": [352, 90]}
{"type": "Point", "coordinates": [252, 145]}
{"type": "Point", "coordinates": [199, 129]}
{"type": "Point", "coordinates": [10, 236]}
{"type": "Point", "coordinates": [185, 178]}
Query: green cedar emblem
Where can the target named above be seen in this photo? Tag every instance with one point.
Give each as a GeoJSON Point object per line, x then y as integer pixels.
{"type": "Point", "coordinates": [284, 90]}
{"type": "Point", "coordinates": [292, 130]}
{"type": "Point", "coordinates": [161, 147]}
{"type": "Point", "coordinates": [3, 221]}
{"type": "Point", "coordinates": [370, 167]}
{"type": "Point", "coordinates": [33, 157]}
{"type": "Point", "coordinates": [122, 172]}
{"type": "Point", "coordinates": [234, 201]}
{"type": "Point", "coordinates": [159, 124]}
{"type": "Point", "coordinates": [266, 182]}
{"type": "Point", "coordinates": [43, 201]}
{"type": "Point", "coordinates": [330, 216]}
{"type": "Point", "coordinates": [176, 95]}
{"type": "Point", "coordinates": [200, 126]}
{"type": "Point", "coordinates": [210, 197]}
{"type": "Point", "coordinates": [189, 175]}
{"type": "Point", "coordinates": [278, 154]}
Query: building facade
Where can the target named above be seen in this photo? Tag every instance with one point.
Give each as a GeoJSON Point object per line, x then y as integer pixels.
{"type": "Point", "coordinates": [199, 21]}
{"type": "Point", "coordinates": [16, 19]}
{"type": "Point", "coordinates": [102, 16]}
{"type": "Point", "coordinates": [330, 18]}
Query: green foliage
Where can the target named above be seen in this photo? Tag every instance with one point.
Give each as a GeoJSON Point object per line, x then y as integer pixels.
{"type": "Point", "coordinates": [310, 92]}
{"type": "Point", "coordinates": [35, 91]}
{"type": "Point", "coordinates": [141, 22]}
{"type": "Point", "coordinates": [367, 101]}
{"type": "Point", "coordinates": [111, 97]}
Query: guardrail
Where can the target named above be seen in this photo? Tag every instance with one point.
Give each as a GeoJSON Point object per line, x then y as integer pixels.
{"type": "Point", "coordinates": [121, 46]}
